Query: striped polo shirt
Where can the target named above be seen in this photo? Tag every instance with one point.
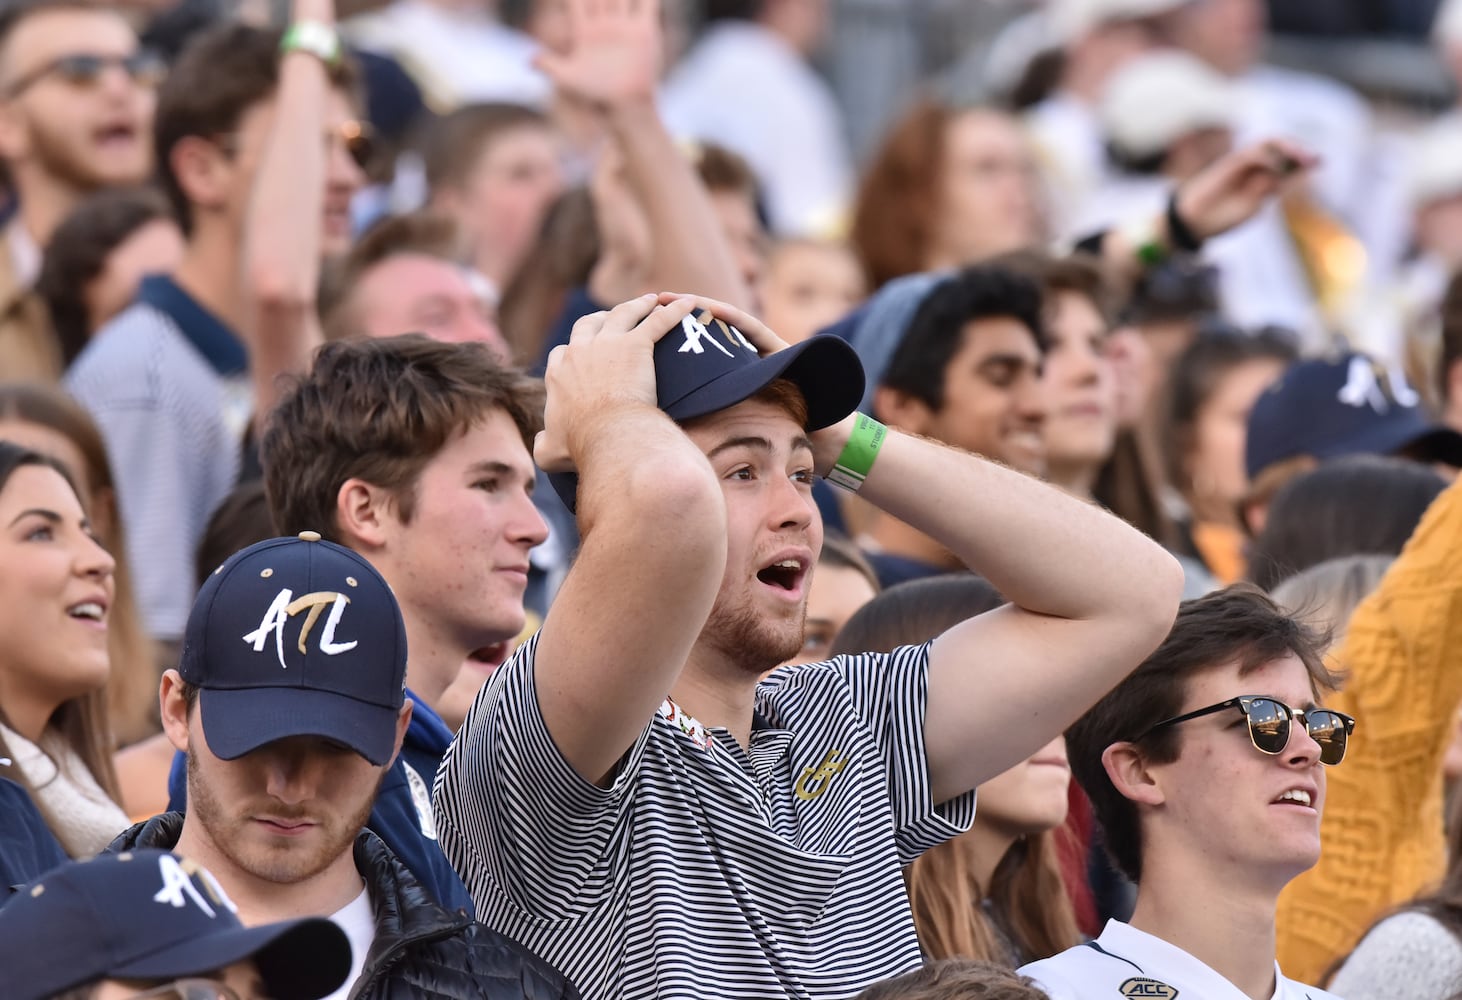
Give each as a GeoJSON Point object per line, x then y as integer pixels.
{"type": "Point", "coordinates": [706, 869]}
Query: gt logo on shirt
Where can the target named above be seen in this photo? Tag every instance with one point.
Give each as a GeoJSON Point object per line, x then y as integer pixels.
{"type": "Point", "coordinates": [815, 780]}
{"type": "Point", "coordinates": [1139, 987]}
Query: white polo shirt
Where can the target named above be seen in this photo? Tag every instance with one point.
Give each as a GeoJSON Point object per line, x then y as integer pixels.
{"type": "Point", "coordinates": [1127, 964]}
{"type": "Point", "coordinates": [707, 869]}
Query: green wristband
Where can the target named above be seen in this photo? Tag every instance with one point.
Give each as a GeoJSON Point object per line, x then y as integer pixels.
{"type": "Point", "coordinates": [856, 461]}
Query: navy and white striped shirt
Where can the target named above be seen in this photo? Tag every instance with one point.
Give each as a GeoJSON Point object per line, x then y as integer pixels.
{"type": "Point", "coordinates": [704, 869]}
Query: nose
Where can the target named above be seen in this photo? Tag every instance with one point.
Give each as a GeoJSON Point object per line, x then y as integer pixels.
{"type": "Point", "coordinates": [93, 560]}
{"type": "Point", "coordinates": [288, 771]}
{"type": "Point", "coordinates": [528, 527]}
{"type": "Point", "coordinates": [1301, 750]}
{"type": "Point", "coordinates": [791, 506]}
{"type": "Point", "coordinates": [1030, 400]}
{"type": "Point", "coordinates": [341, 170]}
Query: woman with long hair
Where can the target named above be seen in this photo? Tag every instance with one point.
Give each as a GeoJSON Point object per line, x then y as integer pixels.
{"type": "Point", "coordinates": [996, 891]}
{"type": "Point", "coordinates": [56, 593]}
{"type": "Point", "coordinates": [45, 419]}
{"type": "Point", "coordinates": [949, 186]}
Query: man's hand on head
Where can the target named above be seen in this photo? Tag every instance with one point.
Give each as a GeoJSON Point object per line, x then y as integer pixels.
{"type": "Point", "coordinates": [827, 443]}
{"type": "Point", "coordinates": [608, 362]}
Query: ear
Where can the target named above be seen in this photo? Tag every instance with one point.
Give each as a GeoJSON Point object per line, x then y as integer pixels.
{"type": "Point", "coordinates": [1130, 773]}
{"type": "Point", "coordinates": [364, 513]}
{"type": "Point", "coordinates": [202, 171]}
{"type": "Point", "coordinates": [403, 723]}
{"type": "Point", "coordinates": [902, 411]}
{"type": "Point", "coordinates": [174, 709]}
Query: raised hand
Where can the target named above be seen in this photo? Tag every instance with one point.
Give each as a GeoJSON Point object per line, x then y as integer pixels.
{"type": "Point", "coordinates": [608, 362]}
{"type": "Point", "coordinates": [1231, 190]}
{"type": "Point", "coordinates": [615, 55]}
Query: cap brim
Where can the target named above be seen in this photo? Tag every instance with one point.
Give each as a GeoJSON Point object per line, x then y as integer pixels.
{"type": "Point", "coordinates": [824, 367]}
{"type": "Point", "coordinates": [1440, 444]}
{"type": "Point", "coordinates": [1419, 439]}
{"type": "Point", "coordinates": [297, 959]}
{"type": "Point", "coordinates": [236, 722]}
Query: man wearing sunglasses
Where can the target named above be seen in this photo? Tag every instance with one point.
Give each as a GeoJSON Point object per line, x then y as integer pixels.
{"type": "Point", "coordinates": [1206, 769]}
{"type": "Point", "coordinates": [149, 925]}
{"type": "Point", "coordinates": [76, 105]}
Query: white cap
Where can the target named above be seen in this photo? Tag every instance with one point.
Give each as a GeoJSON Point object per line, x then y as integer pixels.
{"type": "Point", "coordinates": [1435, 168]}
{"type": "Point", "coordinates": [1070, 19]}
{"type": "Point", "coordinates": [1157, 99]}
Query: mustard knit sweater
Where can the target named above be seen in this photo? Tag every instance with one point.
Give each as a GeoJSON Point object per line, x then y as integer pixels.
{"type": "Point", "coordinates": [1382, 832]}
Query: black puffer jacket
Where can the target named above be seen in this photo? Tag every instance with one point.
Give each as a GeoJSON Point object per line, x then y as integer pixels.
{"type": "Point", "coordinates": [421, 951]}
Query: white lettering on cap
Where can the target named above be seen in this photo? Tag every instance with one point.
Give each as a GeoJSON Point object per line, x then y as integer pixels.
{"type": "Point", "coordinates": [284, 607]}
{"type": "Point", "coordinates": [177, 887]}
{"type": "Point", "coordinates": [1367, 385]}
{"type": "Point", "coordinates": [697, 331]}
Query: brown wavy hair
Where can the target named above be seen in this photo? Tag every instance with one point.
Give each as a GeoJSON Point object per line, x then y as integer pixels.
{"type": "Point", "coordinates": [898, 198]}
{"type": "Point", "coordinates": [132, 690]}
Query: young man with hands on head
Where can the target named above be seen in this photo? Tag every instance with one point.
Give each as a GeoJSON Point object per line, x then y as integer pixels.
{"type": "Point", "coordinates": [628, 800]}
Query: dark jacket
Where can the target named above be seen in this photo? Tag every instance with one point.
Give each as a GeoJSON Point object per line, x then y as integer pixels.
{"type": "Point", "coordinates": [402, 815]}
{"type": "Point", "coordinates": [421, 951]}
{"type": "Point", "coordinates": [27, 847]}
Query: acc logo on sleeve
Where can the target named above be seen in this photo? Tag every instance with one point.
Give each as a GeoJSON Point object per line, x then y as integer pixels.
{"type": "Point", "coordinates": [1138, 986]}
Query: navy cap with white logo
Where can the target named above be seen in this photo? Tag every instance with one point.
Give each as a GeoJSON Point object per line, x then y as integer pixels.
{"type": "Point", "coordinates": [152, 915]}
{"type": "Point", "coordinates": [708, 365]}
{"type": "Point", "coordinates": [1352, 405]}
{"type": "Point", "coordinates": [296, 637]}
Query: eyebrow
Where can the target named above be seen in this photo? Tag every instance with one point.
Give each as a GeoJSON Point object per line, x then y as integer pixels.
{"type": "Point", "coordinates": [49, 515]}
{"type": "Point", "coordinates": [756, 443]}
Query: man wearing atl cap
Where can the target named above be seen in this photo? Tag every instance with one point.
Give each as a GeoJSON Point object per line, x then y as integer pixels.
{"type": "Point", "coordinates": [627, 799]}
{"type": "Point", "coordinates": [152, 924]}
{"type": "Point", "coordinates": [288, 702]}
{"type": "Point", "coordinates": [1330, 408]}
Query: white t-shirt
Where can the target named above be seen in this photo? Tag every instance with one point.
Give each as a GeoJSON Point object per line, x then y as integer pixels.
{"type": "Point", "coordinates": [1127, 962]}
{"type": "Point", "coordinates": [357, 919]}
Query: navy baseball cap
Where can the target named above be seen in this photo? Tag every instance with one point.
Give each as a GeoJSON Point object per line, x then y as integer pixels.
{"type": "Point", "coordinates": [296, 637]}
{"type": "Point", "coordinates": [149, 914]}
{"type": "Point", "coordinates": [1348, 406]}
{"type": "Point", "coordinates": [708, 365]}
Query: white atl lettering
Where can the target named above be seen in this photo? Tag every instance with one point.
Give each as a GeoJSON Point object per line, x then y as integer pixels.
{"type": "Point", "coordinates": [1364, 387]}
{"type": "Point", "coordinates": [284, 606]}
{"type": "Point", "coordinates": [177, 887]}
{"type": "Point", "coordinates": [695, 332]}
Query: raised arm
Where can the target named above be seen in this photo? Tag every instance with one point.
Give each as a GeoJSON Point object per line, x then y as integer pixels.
{"type": "Point", "coordinates": [654, 538]}
{"type": "Point", "coordinates": [614, 67]}
{"type": "Point", "coordinates": [282, 227]}
{"type": "Point", "coordinates": [1090, 596]}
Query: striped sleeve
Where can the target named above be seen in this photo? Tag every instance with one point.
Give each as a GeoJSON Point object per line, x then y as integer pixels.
{"type": "Point", "coordinates": [890, 693]}
{"type": "Point", "coordinates": [512, 813]}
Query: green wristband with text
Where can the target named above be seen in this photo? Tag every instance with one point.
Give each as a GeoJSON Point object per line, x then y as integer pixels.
{"type": "Point", "coordinates": [856, 461]}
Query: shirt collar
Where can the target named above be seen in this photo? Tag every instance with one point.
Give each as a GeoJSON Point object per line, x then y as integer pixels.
{"type": "Point", "coordinates": [212, 337]}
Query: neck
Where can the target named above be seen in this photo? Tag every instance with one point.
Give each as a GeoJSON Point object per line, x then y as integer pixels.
{"type": "Point", "coordinates": [209, 273]}
{"type": "Point", "coordinates": [1077, 479]}
{"type": "Point", "coordinates": [434, 662]}
{"type": "Point", "coordinates": [27, 712]}
{"type": "Point", "coordinates": [717, 692]}
{"type": "Point", "coordinates": [896, 538]}
{"type": "Point", "coordinates": [261, 901]}
{"type": "Point", "coordinates": [984, 847]}
{"type": "Point", "coordinates": [1232, 932]}
{"type": "Point", "coordinates": [44, 203]}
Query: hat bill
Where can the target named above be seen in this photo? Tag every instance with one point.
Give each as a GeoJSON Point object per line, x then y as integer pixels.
{"type": "Point", "coordinates": [298, 959]}
{"type": "Point", "coordinates": [237, 721]}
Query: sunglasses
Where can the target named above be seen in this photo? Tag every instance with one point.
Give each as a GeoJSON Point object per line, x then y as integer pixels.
{"type": "Point", "coordinates": [84, 69]}
{"type": "Point", "coordinates": [358, 138]}
{"type": "Point", "coordinates": [1269, 721]}
{"type": "Point", "coordinates": [189, 989]}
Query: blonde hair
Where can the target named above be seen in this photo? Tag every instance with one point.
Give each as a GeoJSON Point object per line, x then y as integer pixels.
{"type": "Point", "coordinates": [1327, 594]}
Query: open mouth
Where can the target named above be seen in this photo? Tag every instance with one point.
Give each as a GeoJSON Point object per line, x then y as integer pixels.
{"type": "Point", "coordinates": [116, 134]}
{"type": "Point", "coordinates": [91, 611]}
{"type": "Point", "coordinates": [785, 575]}
{"type": "Point", "coordinates": [489, 658]}
{"type": "Point", "coordinates": [1295, 796]}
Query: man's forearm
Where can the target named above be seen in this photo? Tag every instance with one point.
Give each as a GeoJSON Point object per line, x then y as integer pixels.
{"type": "Point", "coordinates": [1044, 550]}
